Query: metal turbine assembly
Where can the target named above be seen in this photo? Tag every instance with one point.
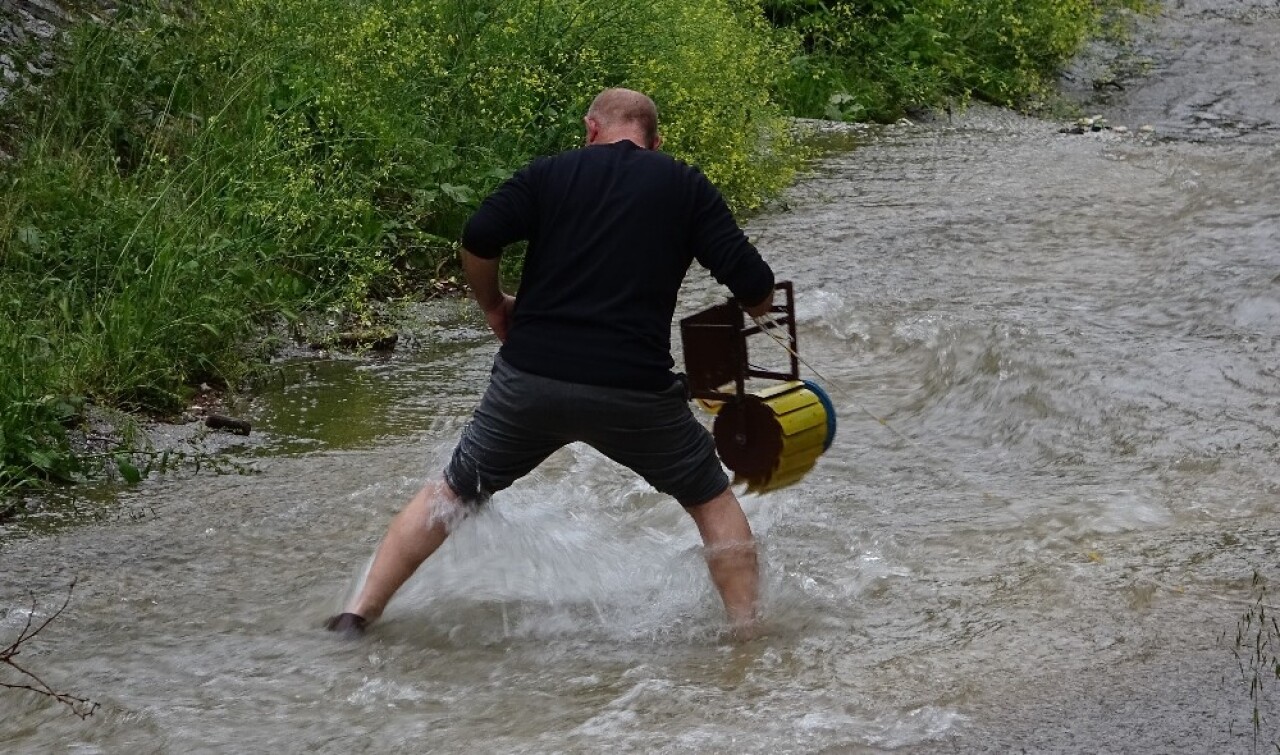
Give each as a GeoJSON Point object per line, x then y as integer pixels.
{"type": "Point", "coordinates": [771, 435]}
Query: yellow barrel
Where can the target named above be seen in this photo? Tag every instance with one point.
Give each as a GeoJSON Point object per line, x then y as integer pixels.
{"type": "Point", "coordinates": [772, 437]}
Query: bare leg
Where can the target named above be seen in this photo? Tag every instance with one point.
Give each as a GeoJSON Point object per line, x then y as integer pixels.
{"type": "Point", "coordinates": [413, 535]}
{"type": "Point", "coordinates": [731, 557]}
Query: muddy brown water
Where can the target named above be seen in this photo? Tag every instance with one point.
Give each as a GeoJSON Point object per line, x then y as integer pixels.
{"type": "Point", "coordinates": [1079, 336]}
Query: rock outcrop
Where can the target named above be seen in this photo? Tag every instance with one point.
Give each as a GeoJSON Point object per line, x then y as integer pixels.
{"type": "Point", "coordinates": [29, 34]}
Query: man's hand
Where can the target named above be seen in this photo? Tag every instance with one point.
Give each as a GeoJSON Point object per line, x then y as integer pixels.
{"type": "Point", "coordinates": [499, 317]}
{"type": "Point", "coordinates": [482, 278]}
{"type": "Point", "coordinates": [762, 308]}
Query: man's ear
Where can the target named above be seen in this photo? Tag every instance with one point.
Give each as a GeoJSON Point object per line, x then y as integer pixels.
{"type": "Point", "coordinates": [657, 141]}
{"type": "Point", "coordinates": [593, 129]}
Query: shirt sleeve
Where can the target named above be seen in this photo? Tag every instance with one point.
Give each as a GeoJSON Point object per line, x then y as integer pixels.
{"type": "Point", "coordinates": [722, 248]}
{"type": "Point", "coordinates": [506, 216]}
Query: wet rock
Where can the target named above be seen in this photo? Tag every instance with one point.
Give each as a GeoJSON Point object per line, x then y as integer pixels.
{"type": "Point", "coordinates": [9, 509]}
{"type": "Point", "coordinates": [29, 33]}
{"type": "Point", "coordinates": [376, 339]}
{"type": "Point", "coordinates": [42, 9]}
{"type": "Point", "coordinates": [1089, 125]}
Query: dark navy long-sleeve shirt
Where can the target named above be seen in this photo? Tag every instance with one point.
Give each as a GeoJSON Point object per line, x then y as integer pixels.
{"type": "Point", "coordinates": [612, 229]}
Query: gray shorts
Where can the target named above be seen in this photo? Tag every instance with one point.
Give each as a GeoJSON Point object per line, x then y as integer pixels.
{"type": "Point", "coordinates": [524, 418]}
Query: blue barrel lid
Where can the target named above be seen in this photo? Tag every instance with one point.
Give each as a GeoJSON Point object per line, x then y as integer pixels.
{"type": "Point", "coordinates": [827, 406]}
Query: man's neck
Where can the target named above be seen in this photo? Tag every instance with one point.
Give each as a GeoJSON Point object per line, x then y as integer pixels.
{"type": "Point", "coordinates": [633, 138]}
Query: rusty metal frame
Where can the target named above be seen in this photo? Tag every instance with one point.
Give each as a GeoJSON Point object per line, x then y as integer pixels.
{"type": "Point", "coordinates": [715, 346]}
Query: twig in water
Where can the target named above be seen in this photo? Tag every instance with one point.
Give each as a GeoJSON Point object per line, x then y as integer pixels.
{"type": "Point", "coordinates": [80, 706]}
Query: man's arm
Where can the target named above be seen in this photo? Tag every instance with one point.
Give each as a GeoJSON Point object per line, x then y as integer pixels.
{"type": "Point", "coordinates": [721, 246]}
{"type": "Point", "coordinates": [482, 278]}
{"type": "Point", "coordinates": [508, 215]}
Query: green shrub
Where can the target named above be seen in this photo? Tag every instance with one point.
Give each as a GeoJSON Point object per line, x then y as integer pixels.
{"type": "Point", "coordinates": [871, 59]}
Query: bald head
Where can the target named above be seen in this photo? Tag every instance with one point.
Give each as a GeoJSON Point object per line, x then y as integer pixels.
{"type": "Point", "coordinates": [617, 114]}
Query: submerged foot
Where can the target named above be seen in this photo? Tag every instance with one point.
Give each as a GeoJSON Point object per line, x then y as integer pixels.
{"type": "Point", "coordinates": [349, 625]}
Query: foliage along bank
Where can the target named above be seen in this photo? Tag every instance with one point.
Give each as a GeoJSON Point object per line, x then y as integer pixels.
{"type": "Point", "coordinates": [874, 59]}
{"type": "Point", "coordinates": [192, 171]}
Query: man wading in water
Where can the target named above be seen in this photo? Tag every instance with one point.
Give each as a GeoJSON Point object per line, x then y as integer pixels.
{"type": "Point", "coordinates": [612, 228]}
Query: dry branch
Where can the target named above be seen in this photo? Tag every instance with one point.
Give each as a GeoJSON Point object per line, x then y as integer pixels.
{"type": "Point", "coordinates": [80, 706]}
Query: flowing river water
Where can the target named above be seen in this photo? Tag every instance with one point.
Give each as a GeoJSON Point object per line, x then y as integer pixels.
{"type": "Point", "coordinates": [1079, 338]}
